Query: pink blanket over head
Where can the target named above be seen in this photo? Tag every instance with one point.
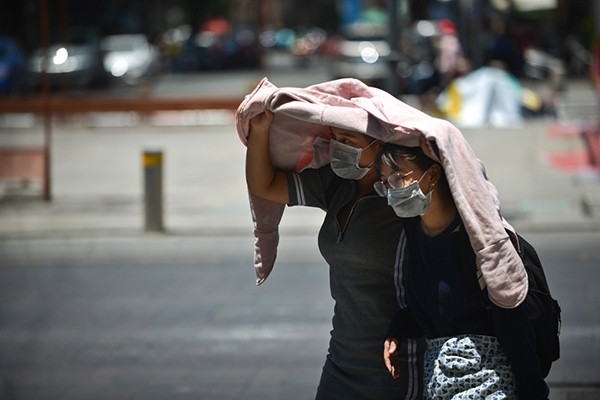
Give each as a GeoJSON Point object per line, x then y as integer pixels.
{"type": "Point", "coordinates": [300, 139]}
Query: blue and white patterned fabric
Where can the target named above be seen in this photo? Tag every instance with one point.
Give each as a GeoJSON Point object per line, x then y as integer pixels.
{"type": "Point", "coordinates": [467, 367]}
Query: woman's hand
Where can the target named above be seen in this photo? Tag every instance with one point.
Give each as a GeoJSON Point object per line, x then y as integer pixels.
{"type": "Point", "coordinates": [390, 353]}
{"type": "Point", "coordinates": [260, 124]}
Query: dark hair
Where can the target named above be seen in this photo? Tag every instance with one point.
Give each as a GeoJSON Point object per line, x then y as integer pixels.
{"type": "Point", "coordinates": [388, 153]}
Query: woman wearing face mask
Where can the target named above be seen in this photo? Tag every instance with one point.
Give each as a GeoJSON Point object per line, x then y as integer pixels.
{"type": "Point", "coordinates": [475, 349]}
{"type": "Point", "coordinates": [360, 239]}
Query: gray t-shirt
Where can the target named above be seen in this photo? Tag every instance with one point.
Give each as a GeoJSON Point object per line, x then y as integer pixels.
{"type": "Point", "coordinates": [364, 260]}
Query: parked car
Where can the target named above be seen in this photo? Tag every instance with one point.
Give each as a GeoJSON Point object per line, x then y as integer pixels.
{"type": "Point", "coordinates": [362, 52]}
{"type": "Point", "coordinates": [216, 45]}
{"type": "Point", "coordinates": [129, 58]}
{"type": "Point", "coordinates": [73, 63]}
{"type": "Point", "coordinates": [12, 61]}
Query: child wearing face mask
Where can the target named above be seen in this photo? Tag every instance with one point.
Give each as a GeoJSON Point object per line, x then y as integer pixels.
{"type": "Point", "coordinates": [475, 349]}
{"type": "Point", "coordinates": [360, 239]}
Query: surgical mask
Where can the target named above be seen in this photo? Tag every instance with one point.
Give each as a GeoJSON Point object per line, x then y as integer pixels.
{"type": "Point", "coordinates": [344, 160]}
{"type": "Point", "coordinates": [409, 201]}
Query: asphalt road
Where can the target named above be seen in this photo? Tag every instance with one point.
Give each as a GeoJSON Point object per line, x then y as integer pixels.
{"type": "Point", "coordinates": [179, 317]}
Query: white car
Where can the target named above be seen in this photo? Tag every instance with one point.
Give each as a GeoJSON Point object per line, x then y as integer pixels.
{"type": "Point", "coordinates": [74, 63]}
{"type": "Point", "coordinates": [363, 52]}
{"type": "Point", "coordinates": [129, 57]}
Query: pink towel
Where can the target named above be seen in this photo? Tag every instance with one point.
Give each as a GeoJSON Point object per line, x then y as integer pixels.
{"type": "Point", "coordinates": [299, 140]}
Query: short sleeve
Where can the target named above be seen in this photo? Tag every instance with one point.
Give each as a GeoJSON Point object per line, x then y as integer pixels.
{"type": "Point", "coordinates": [313, 187]}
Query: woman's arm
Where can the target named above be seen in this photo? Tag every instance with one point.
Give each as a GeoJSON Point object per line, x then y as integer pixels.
{"type": "Point", "coordinates": [261, 176]}
{"type": "Point", "coordinates": [403, 326]}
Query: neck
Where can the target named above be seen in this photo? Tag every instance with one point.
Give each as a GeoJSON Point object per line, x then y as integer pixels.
{"type": "Point", "coordinates": [440, 215]}
{"type": "Point", "coordinates": [365, 184]}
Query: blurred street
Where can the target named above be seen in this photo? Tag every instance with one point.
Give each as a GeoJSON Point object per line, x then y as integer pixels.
{"type": "Point", "coordinates": [93, 307]}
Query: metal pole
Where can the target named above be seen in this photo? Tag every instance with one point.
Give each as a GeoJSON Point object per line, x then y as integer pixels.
{"type": "Point", "coordinates": [393, 86]}
{"type": "Point", "coordinates": [46, 184]}
{"type": "Point", "coordinates": [597, 19]}
{"type": "Point", "coordinates": [153, 196]}
{"type": "Point", "coordinates": [595, 66]}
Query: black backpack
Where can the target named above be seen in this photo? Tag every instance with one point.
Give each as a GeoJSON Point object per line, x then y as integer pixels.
{"type": "Point", "coordinates": [541, 308]}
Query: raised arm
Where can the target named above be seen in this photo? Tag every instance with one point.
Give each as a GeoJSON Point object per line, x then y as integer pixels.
{"type": "Point", "coordinates": [262, 177]}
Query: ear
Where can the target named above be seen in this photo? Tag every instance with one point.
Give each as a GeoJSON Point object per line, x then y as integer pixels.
{"type": "Point", "coordinates": [435, 174]}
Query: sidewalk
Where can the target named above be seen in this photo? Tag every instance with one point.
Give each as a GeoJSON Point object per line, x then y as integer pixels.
{"type": "Point", "coordinates": [97, 182]}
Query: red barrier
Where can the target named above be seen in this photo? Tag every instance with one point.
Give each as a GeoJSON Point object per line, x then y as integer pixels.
{"type": "Point", "coordinates": [22, 165]}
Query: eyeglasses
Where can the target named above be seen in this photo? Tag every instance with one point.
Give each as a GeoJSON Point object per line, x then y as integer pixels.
{"type": "Point", "coordinates": [397, 180]}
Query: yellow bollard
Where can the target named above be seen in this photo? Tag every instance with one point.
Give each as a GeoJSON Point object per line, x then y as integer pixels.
{"type": "Point", "coordinates": [153, 196]}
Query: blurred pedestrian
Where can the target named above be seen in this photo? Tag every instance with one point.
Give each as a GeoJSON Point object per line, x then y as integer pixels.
{"type": "Point", "coordinates": [451, 61]}
{"type": "Point", "coordinates": [475, 348]}
{"type": "Point", "coordinates": [361, 241]}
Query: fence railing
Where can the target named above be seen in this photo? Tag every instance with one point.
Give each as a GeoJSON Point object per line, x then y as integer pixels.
{"type": "Point", "coordinates": [32, 165]}
{"type": "Point", "coordinates": [71, 104]}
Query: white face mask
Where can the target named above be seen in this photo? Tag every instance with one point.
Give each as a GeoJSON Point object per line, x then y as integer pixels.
{"type": "Point", "coordinates": [409, 201]}
{"type": "Point", "coordinates": [344, 160]}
